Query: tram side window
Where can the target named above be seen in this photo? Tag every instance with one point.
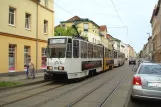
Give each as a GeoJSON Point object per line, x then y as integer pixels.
{"type": "Point", "coordinates": [83, 49]}
{"type": "Point", "coordinates": [90, 50]}
{"type": "Point", "coordinates": [115, 54]}
{"type": "Point", "coordinates": [99, 55]}
{"type": "Point", "coordinates": [69, 48]}
{"type": "Point", "coordinates": [106, 53]}
{"type": "Point", "coordinates": [94, 51]}
{"type": "Point", "coordinates": [112, 54]}
{"type": "Point", "coordinates": [75, 48]}
{"type": "Point", "coordinates": [101, 52]}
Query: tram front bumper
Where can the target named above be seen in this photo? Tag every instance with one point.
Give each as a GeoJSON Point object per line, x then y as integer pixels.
{"type": "Point", "coordinates": [61, 73]}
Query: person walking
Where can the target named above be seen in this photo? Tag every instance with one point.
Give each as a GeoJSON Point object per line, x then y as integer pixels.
{"type": "Point", "coordinates": [31, 69]}
{"type": "Point", "coordinates": [27, 65]}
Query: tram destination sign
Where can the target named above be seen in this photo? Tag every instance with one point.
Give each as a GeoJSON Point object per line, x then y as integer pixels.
{"type": "Point", "coordinates": [57, 40]}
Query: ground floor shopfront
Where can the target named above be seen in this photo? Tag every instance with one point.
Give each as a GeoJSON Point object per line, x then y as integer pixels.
{"type": "Point", "coordinates": [14, 52]}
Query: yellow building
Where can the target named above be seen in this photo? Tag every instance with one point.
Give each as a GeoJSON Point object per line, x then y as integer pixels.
{"type": "Point", "coordinates": [24, 25]}
{"type": "Point", "coordinates": [103, 32]}
{"type": "Point", "coordinates": [85, 26]}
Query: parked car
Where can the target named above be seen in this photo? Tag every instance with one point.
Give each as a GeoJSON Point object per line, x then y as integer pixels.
{"type": "Point", "coordinates": [132, 61]}
{"type": "Point", "coordinates": [146, 82]}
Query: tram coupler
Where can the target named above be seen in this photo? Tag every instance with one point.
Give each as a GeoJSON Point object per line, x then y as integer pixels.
{"type": "Point", "coordinates": [47, 76]}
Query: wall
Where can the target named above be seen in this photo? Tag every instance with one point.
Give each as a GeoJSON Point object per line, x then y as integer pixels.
{"type": "Point", "coordinates": [20, 43]}
{"type": "Point", "coordinates": [22, 6]}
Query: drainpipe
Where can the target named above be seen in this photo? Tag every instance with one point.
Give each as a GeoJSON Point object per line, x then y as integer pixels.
{"type": "Point", "coordinates": [37, 37]}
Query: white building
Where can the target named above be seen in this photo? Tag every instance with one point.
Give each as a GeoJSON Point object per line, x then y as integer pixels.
{"type": "Point", "coordinates": [124, 49]}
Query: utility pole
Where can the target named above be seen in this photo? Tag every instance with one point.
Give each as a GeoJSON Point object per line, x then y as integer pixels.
{"type": "Point", "coordinates": [37, 36]}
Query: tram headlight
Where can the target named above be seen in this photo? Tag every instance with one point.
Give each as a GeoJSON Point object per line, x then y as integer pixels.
{"type": "Point", "coordinates": [49, 67]}
{"type": "Point", "coordinates": [60, 68]}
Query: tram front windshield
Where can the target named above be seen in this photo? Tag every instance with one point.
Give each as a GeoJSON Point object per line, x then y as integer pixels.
{"type": "Point", "coordinates": [56, 52]}
{"type": "Point", "coordinates": [56, 48]}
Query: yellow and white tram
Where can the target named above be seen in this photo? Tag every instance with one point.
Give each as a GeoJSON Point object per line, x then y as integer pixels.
{"type": "Point", "coordinates": [74, 58]}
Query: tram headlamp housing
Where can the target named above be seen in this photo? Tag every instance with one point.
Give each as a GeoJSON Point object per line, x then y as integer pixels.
{"type": "Point", "coordinates": [60, 68]}
{"type": "Point", "coordinates": [49, 67]}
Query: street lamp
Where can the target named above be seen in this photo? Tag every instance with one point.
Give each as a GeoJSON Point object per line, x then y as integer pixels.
{"type": "Point", "coordinates": [148, 34]}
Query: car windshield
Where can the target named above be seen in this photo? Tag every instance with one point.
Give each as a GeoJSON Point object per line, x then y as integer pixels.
{"type": "Point", "coordinates": [150, 69]}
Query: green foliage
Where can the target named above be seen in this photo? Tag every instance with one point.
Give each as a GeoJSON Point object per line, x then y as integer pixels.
{"type": "Point", "coordinates": [69, 31]}
{"type": "Point", "coordinates": [85, 36]}
{"type": "Point", "coordinates": [8, 84]}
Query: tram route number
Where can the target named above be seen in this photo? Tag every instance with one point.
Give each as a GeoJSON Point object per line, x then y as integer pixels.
{"type": "Point", "coordinates": [86, 65]}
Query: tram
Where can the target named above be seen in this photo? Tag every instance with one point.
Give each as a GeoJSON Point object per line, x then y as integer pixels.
{"type": "Point", "coordinates": [119, 58]}
{"type": "Point", "coordinates": [73, 58]}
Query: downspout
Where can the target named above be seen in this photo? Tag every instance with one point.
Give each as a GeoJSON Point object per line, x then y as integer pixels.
{"type": "Point", "coordinates": [37, 38]}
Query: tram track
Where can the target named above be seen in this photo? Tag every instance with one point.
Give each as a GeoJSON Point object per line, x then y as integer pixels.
{"type": "Point", "coordinates": [92, 80]}
{"type": "Point", "coordinates": [95, 89]}
{"type": "Point", "coordinates": [68, 91]}
{"type": "Point", "coordinates": [24, 89]}
{"type": "Point", "coordinates": [107, 98]}
{"type": "Point", "coordinates": [32, 95]}
{"type": "Point", "coordinates": [98, 77]}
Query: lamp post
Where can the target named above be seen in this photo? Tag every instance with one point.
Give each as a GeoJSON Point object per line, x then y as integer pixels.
{"type": "Point", "coordinates": [37, 36]}
{"type": "Point", "coordinates": [148, 34]}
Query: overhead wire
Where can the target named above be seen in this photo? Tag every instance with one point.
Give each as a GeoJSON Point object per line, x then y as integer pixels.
{"type": "Point", "coordinates": [63, 9]}
{"type": "Point", "coordinates": [117, 13]}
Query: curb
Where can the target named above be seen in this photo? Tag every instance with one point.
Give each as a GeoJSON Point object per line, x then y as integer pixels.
{"type": "Point", "coordinates": [22, 85]}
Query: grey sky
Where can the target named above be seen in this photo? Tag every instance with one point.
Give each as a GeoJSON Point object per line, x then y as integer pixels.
{"type": "Point", "coordinates": [135, 14]}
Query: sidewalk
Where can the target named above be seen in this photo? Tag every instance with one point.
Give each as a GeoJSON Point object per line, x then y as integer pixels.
{"type": "Point", "coordinates": [23, 80]}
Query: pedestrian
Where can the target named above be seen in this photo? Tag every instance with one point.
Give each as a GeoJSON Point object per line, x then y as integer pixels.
{"type": "Point", "coordinates": [31, 69]}
{"type": "Point", "coordinates": [27, 65]}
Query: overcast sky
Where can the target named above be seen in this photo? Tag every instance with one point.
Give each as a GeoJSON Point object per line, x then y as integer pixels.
{"type": "Point", "coordinates": [135, 14]}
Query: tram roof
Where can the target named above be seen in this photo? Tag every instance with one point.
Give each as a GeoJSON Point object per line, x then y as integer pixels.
{"type": "Point", "coordinates": [60, 37]}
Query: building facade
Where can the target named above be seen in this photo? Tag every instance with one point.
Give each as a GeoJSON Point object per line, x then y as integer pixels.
{"type": "Point", "coordinates": [25, 26]}
{"type": "Point", "coordinates": [156, 32]}
{"type": "Point", "coordinates": [86, 26]}
{"type": "Point", "coordinates": [103, 33]}
{"type": "Point", "coordinates": [124, 49]}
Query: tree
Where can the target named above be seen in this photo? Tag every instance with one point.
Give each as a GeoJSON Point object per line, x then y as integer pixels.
{"type": "Point", "coordinates": [69, 31]}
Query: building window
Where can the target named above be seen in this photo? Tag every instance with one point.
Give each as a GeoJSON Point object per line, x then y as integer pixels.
{"type": "Point", "coordinates": [45, 26]}
{"type": "Point", "coordinates": [63, 25]}
{"type": "Point", "coordinates": [27, 21]}
{"type": "Point", "coordinates": [12, 16]}
{"type": "Point", "coordinates": [12, 57]}
{"type": "Point", "coordinates": [90, 50]}
{"type": "Point", "coordinates": [75, 48]}
{"type": "Point", "coordinates": [86, 27]}
{"type": "Point", "coordinates": [43, 58]}
{"type": "Point", "coordinates": [46, 3]}
{"type": "Point", "coordinates": [83, 49]}
{"type": "Point", "coordinates": [26, 53]}
{"type": "Point", "coordinates": [69, 48]}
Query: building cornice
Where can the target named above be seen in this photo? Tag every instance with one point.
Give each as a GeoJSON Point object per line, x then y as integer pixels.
{"type": "Point", "coordinates": [36, 1]}
{"type": "Point", "coordinates": [21, 37]}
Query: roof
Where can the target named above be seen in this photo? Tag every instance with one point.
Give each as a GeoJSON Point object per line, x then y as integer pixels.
{"type": "Point", "coordinates": [57, 26]}
{"type": "Point", "coordinates": [149, 63]}
{"type": "Point", "coordinates": [103, 28]}
{"type": "Point", "coordinates": [78, 19]}
{"type": "Point", "coordinates": [108, 36]}
{"type": "Point", "coordinates": [74, 18]}
{"type": "Point", "coordinates": [152, 15]}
